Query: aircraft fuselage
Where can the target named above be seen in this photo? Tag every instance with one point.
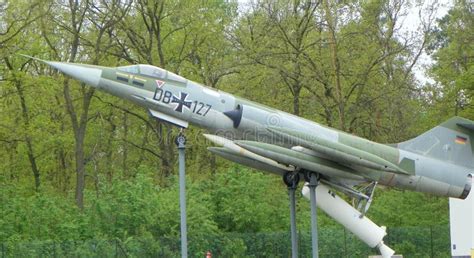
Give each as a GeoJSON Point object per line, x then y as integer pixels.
{"type": "Point", "coordinates": [179, 101]}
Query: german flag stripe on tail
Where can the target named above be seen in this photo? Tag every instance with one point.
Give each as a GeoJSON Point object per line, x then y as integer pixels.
{"type": "Point", "coordinates": [460, 140]}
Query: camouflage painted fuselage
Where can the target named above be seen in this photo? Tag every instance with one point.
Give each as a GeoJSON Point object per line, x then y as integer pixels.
{"type": "Point", "coordinates": [438, 162]}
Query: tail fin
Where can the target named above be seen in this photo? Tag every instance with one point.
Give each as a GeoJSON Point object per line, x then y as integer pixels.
{"type": "Point", "coordinates": [449, 141]}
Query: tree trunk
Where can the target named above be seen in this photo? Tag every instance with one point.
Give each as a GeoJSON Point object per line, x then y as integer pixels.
{"type": "Point", "coordinates": [125, 147]}
{"type": "Point", "coordinates": [80, 169]}
{"type": "Point", "coordinates": [79, 127]}
{"type": "Point", "coordinates": [26, 119]}
{"type": "Point", "coordinates": [296, 101]}
{"type": "Point", "coordinates": [335, 66]}
{"type": "Point", "coordinates": [34, 167]}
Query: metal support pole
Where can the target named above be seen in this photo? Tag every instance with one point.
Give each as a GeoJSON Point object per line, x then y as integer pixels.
{"type": "Point", "coordinates": [181, 142]}
{"type": "Point", "coordinates": [291, 180]}
{"type": "Point", "coordinates": [294, 237]}
{"type": "Point", "coordinates": [314, 215]}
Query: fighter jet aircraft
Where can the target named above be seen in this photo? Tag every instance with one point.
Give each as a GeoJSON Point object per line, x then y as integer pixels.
{"type": "Point", "coordinates": [438, 162]}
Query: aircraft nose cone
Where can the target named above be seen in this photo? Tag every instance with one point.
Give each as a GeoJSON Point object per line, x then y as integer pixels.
{"type": "Point", "coordinates": [88, 74]}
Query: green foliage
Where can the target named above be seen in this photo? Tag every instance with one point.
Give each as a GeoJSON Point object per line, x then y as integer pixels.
{"type": "Point", "coordinates": [344, 64]}
{"type": "Point", "coordinates": [454, 68]}
{"type": "Point", "coordinates": [235, 206]}
{"type": "Point", "coordinates": [138, 217]}
{"type": "Point", "coordinates": [29, 216]}
{"type": "Point", "coordinates": [396, 208]}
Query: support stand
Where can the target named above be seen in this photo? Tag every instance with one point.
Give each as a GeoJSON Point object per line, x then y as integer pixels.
{"type": "Point", "coordinates": [313, 183]}
{"type": "Point", "coordinates": [181, 143]}
{"type": "Point", "coordinates": [291, 179]}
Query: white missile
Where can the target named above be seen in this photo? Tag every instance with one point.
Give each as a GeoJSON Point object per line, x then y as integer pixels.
{"type": "Point", "coordinates": [350, 218]}
{"type": "Point", "coordinates": [231, 146]}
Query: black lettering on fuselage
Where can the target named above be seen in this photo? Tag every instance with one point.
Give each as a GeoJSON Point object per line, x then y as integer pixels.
{"type": "Point", "coordinates": [166, 97]}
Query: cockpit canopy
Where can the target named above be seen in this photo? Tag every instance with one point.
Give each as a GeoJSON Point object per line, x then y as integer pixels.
{"type": "Point", "coordinates": [152, 71]}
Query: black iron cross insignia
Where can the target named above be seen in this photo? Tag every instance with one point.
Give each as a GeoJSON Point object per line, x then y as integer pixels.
{"type": "Point", "coordinates": [182, 101]}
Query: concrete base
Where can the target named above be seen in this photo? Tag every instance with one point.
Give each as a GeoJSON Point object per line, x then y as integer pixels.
{"type": "Point", "coordinates": [393, 256]}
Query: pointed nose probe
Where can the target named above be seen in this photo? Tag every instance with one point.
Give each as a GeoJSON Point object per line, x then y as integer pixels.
{"type": "Point", "coordinates": [88, 74]}
{"type": "Point", "coordinates": [85, 73]}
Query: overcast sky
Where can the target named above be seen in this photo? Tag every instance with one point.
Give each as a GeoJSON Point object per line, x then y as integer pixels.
{"type": "Point", "coordinates": [411, 24]}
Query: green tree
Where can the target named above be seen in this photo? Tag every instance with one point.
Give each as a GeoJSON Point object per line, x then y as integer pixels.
{"type": "Point", "coordinates": [453, 70]}
{"type": "Point", "coordinates": [344, 59]}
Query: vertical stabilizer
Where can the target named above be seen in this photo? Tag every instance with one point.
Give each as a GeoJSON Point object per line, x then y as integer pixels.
{"type": "Point", "coordinates": [450, 141]}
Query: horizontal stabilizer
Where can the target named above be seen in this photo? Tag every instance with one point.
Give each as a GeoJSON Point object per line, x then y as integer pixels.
{"type": "Point", "coordinates": [337, 151]}
{"type": "Point", "coordinates": [466, 126]}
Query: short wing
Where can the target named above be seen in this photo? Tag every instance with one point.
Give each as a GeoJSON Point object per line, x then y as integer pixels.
{"type": "Point", "coordinates": [335, 151]}
{"type": "Point", "coordinates": [246, 161]}
{"type": "Point", "coordinates": [297, 159]}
